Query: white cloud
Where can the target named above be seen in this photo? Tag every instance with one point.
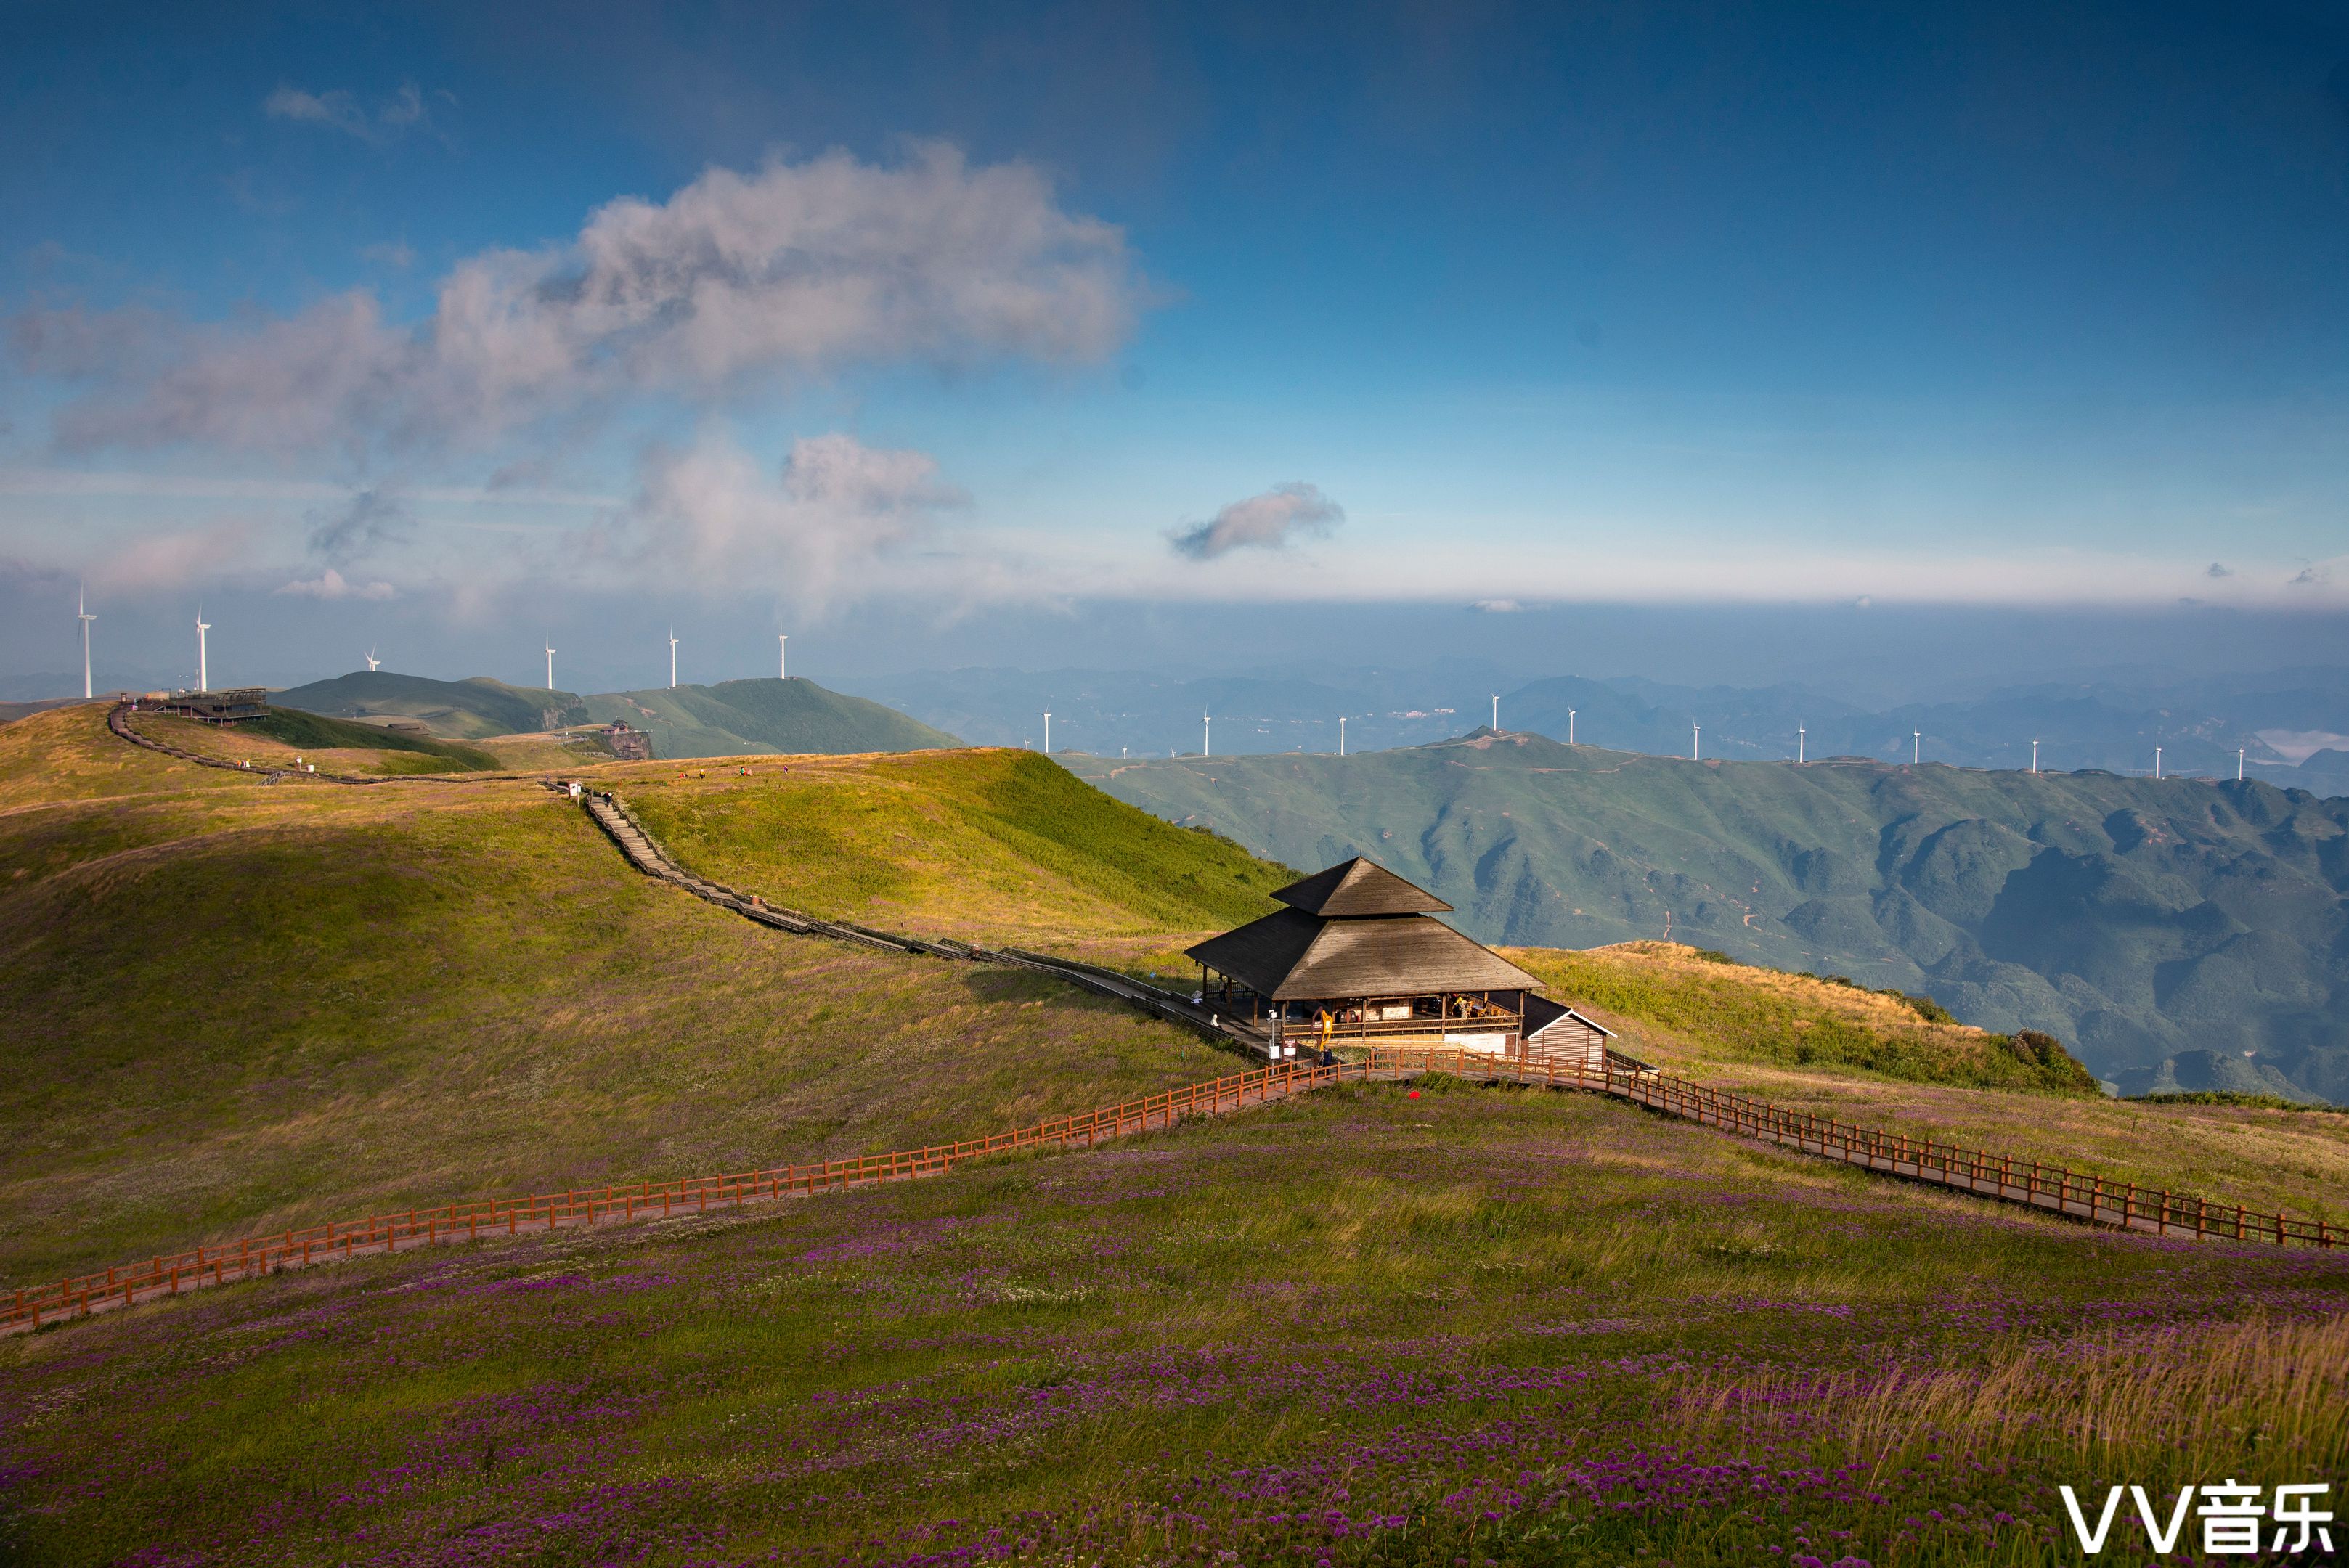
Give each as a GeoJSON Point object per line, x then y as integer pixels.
{"type": "Point", "coordinates": [735, 284]}
{"type": "Point", "coordinates": [820, 528]}
{"type": "Point", "coordinates": [329, 584]}
{"type": "Point", "coordinates": [338, 109]}
{"type": "Point", "coordinates": [1497, 606]}
{"type": "Point", "coordinates": [1266, 522]}
{"type": "Point", "coordinates": [189, 557]}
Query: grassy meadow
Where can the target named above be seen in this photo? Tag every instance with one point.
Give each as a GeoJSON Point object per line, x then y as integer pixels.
{"type": "Point", "coordinates": [992, 845]}
{"type": "Point", "coordinates": [1504, 1327]}
{"type": "Point", "coordinates": [1396, 1325]}
{"type": "Point", "coordinates": [240, 1006]}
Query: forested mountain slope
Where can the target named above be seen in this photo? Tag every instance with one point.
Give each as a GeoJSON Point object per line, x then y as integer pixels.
{"type": "Point", "coordinates": [2176, 932]}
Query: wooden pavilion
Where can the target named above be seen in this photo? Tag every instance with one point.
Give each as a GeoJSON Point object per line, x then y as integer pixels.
{"type": "Point", "coordinates": [1359, 958]}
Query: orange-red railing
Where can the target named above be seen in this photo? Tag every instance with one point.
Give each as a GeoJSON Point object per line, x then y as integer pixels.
{"type": "Point", "coordinates": [2095, 1198]}
{"type": "Point", "coordinates": [172, 1274]}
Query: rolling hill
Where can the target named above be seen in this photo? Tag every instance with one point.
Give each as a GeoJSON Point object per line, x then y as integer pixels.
{"type": "Point", "coordinates": [1349, 1326]}
{"type": "Point", "coordinates": [765, 717]}
{"type": "Point", "coordinates": [2179, 934]}
{"type": "Point", "coordinates": [732, 718]}
{"type": "Point", "coordinates": [459, 710]}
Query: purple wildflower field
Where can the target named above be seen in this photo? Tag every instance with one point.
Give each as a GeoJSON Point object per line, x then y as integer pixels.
{"type": "Point", "coordinates": [1476, 1328]}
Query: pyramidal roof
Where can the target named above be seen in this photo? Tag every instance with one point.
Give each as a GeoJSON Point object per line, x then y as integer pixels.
{"type": "Point", "coordinates": [1358, 887]}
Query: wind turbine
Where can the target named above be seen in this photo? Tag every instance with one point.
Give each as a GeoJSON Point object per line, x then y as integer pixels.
{"type": "Point", "coordinates": [1696, 735]}
{"type": "Point", "coordinates": [1569, 726]}
{"type": "Point", "coordinates": [1497, 713]}
{"type": "Point", "coordinates": [1341, 735]}
{"type": "Point", "coordinates": [203, 670]}
{"type": "Point", "coordinates": [2239, 759]}
{"type": "Point", "coordinates": [672, 658]}
{"type": "Point", "coordinates": [1048, 732]}
{"type": "Point", "coordinates": [783, 656]}
{"type": "Point", "coordinates": [2034, 757]}
{"type": "Point", "coordinates": [1802, 742]}
{"type": "Point", "coordinates": [1206, 730]}
{"type": "Point", "coordinates": [373, 663]}
{"type": "Point", "coordinates": [1917, 740]}
{"type": "Point", "coordinates": [549, 665]}
{"type": "Point", "coordinates": [2157, 762]}
{"type": "Point", "coordinates": [81, 612]}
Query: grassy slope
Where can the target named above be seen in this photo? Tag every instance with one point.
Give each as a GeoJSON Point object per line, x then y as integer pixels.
{"type": "Point", "coordinates": [998, 845]}
{"type": "Point", "coordinates": [2131, 918]}
{"type": "Point", "coordinates": [464, 710]}
{"type": "Point", "coordinates": [755, 717]}
{"type": "Point", "coordinates": [1746, 1029]}
{"type": "Point", "coordinates": [1504, 1328]}
{"type": "Point", "coordinates": [238, 1006]}
{"type": "Point", "coordinates": [315, 732]}
{"type": "Point", "coordinates": [362, 750]}
{"type": "Point", "coordinates": [1747, 1014]}
{"type": "Point", "coordinates": [1001, 844]}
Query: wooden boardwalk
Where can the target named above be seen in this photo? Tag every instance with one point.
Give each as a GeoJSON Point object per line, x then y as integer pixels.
{"type": "Point", "coordinates": [2054, 1190]}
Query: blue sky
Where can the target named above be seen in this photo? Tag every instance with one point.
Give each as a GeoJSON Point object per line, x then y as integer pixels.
{"type": "Point", "coordinates": [1966, 305]}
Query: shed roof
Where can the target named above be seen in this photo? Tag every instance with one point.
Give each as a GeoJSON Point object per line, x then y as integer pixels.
{"type": "Point", "coordinates": [1541, 1013]}
{"type": "Point", "coordinates": [1358, 887]}
{"type": "Point", "coordinates": [1293, 956]}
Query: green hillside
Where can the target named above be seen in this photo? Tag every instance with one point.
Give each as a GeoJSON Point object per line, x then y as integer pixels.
{"type": "Point", "coordinates": [2177, 934]}
{"type": "Point", "coordinates": [984, 845]}
{"type": "Point", "coordinates": [761, 718]}
{"type": "Point", "coordinates": [1382, 1324]}
{"type": "Point", "coordinates": [1370, 1328]}
{"type": "Point", "coordinates": [315, 732]}
{"type": "Point", "coordinates": [236, 1007]}
{"type": "Point", "coordinates": [464, 711]}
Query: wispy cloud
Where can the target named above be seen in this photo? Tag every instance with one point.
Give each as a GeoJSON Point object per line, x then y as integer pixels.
{"type": "Point", "coordinates": [329, 584]}
{"type": "Point", "coordinates": [361, 525]}
{"type": "Point", "coordinates": [1265, 521]}
{"type": "Point", "coordinates": [828, 519]}
{"type": "Point", "coordinates": [736, 283]}
{"type": "Point", "coordinates": [407, 111]}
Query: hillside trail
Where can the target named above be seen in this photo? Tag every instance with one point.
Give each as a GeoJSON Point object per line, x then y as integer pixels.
{"type": "Point", "coordinates": [2055, 1191]}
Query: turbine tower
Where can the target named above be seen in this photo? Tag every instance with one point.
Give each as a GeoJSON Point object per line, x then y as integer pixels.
{"type": "Point", "coordinates": [1569, 726]}
{"type": "Point", "coordinates": [1696, 735]}
{"type": "Point", "coordinates": [81, 612]}
{"type": "Point", "coordinates": [2157, 762]}
{"type": "Point", "coordinates": [2238, 761]}
{"type": "Point", "coordinates": [1802, 742]}
{"type": "Point", "coordinates": [1206, 729]}
{"type": "Point", "coordinates": [1048, 732]}
{"type": "Point", "coordinates": [203, 670]}
{"type": "Point", "coordinates": [783, 656]}
{"type": "Point", "coordinates": [672, 658]}
{"type": "Point", "coordinates": [549, 665]}
{"type": "Point", "coordinates": [1497, 713]}
{"type": "Point", "coordinates": [2034, 757]}
{"type": "Point", "coordinates": [1916, 741]}
{"type": "Point", "coordinates": [1341, 735]}
{"type": "Point", "coordinates": [373, 663]}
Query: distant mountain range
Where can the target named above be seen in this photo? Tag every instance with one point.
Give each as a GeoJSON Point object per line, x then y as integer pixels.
{"type": "Point", "coordinates": [2291, 726]}
{"type": "Point", "coordinates": [2178, 934]}
{"type": "Point", "coordinates": [731, 718]}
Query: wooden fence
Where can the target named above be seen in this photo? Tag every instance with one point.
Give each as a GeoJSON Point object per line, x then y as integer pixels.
{"type": "Point", "coordinates": [178, 1272]}
{"type": "Point", "coordinates": [2097, 1199]}
{"type": "Point", "coordinates": [2053, 1189]}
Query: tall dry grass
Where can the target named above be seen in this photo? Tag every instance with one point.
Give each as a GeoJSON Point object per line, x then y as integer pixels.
{"type": "Point", "coordinates": [2199, 1400]}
